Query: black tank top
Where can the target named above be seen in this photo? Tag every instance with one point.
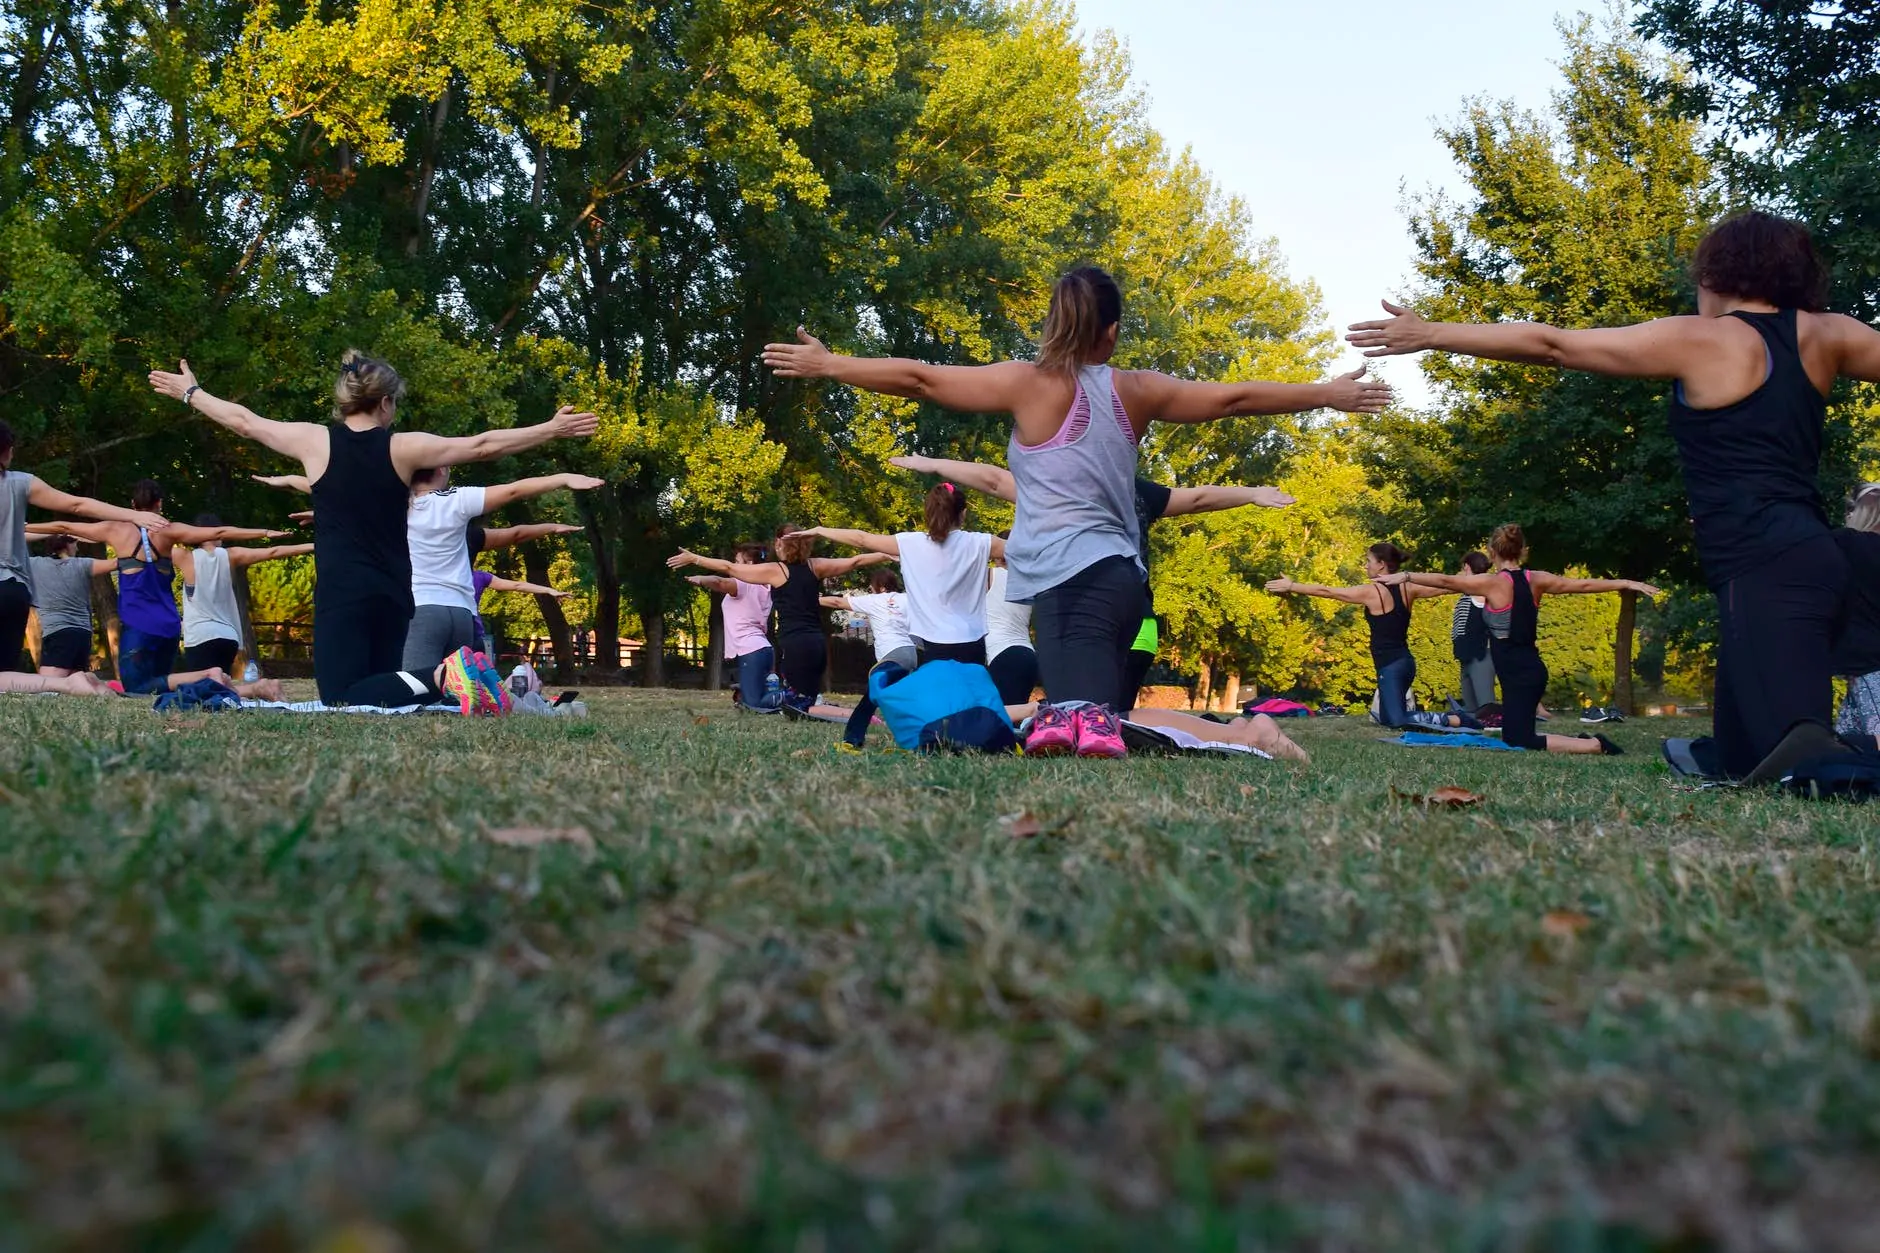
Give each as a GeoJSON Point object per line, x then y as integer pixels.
{"type": "Point", "coordinates": [1524, 618]}
{"type": "Point", "coordinates": [359, 547]}
{"type": "Point", "coordinates": [1390, 631]}
{"type": "Point", "coordinates": [1750, 469]}
{"type": "Point", "coordinates": [799, 601]}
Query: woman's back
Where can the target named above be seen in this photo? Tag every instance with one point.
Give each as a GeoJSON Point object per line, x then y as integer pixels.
{"type": "Point", "coordinates": [1750, 468]}
{"type": "Point", "coordinates": [1390, 630]}
{"type": "Point", "coordinates": [946, 585]}
{"type": "Point", "coordinates": [361, 551]}
{"type": "Point", "coordinates": [798, 601]}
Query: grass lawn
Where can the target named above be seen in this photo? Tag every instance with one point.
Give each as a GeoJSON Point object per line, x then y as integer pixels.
{"type": "Point", "coordinates": [268, 982]}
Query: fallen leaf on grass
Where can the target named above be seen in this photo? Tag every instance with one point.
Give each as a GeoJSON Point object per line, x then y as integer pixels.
{"type": "Point", "coordinates": [804, 752]}
{"type": "Point", "coordinates": [1246, 789]}
{"type": "Point", "coordinates": [1448, 797]}
{"type": "Point", "coordinates": [535, 837]}
{"type": "Point", "coordinates": [1564, 924]}
{"type": "Point", "coordinates": [1026, 825]}
{"type": "Point", "coordinates": [701, 721]}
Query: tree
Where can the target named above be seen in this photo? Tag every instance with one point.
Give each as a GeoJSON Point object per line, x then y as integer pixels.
{"type": "Point", "coordinates": [1583, 220]}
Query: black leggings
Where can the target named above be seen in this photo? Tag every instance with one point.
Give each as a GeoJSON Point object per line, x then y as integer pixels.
{"type": "Point", "coordinates": [1523, 678]}
{"type": "Point", "coordinates": [803, 658]}
{"type": "Point", "coordinates": [1084, 627]}
{"type": "Point", "coordinates": [211, 655]}
{"type": "Point", "coordinates": [973, 653]}
{"type": "Point", "coordinates": [357, 640]}
{"type": "Point", "coordinates": [1776, 626]}
{"type": "Point", "coordinates": [1135, 669]}
{"type": "Point", "coordinates": [15, 603]}
{"type": "Point", "coordinates": [1015, 673]}
{"type": "Point", "coordinates": [394, 691]}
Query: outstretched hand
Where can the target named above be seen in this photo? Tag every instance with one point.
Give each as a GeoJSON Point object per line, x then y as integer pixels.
{"type": "Point", "coordinates": [1397, 578]}
{"type": "Point", "coordinates": [1353, 393]}
{"type": "Point", "coordinates": [1648, 589]}
{"type": "Point", "coordinates": [919, 465]}
{"type": "Point", "coordinates": [1280, 586]}
{"type": "Point", "coordinates": [570, 424]}
{"type": "Point", "coordinates": [279, 534]}
{"type": "Point", "coordinates": [816, 532]}
{"type": "Point", "coordinates": [304, 517]}
{"type": "Point", "coordinates": [680, 560]}
{"type": "Point", "coordinates": [286, 482]}
{"type": "Point", "coordinates": [582, 483]}
{"type": "Point", "coordinates": [1273, 498]}
{"type": "Point", "coordinates": [1403, 331]}
{"type": "Point", "coordinates": [173, 385]}
{"type": "Point", "coordinates": [807, 358]}
{"type": "Point", "coordinates": [149, 521]}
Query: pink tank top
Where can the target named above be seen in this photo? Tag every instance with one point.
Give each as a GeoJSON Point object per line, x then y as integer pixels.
{"type": "Point", "coordinates": [746, 616]}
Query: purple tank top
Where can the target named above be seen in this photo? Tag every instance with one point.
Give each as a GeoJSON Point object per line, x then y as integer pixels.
{"type": "Point", "coordinates": [147, 592]}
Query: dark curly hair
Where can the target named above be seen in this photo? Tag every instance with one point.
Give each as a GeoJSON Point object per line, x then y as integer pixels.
{"type": "Point", "coordinates": [1759, 256]}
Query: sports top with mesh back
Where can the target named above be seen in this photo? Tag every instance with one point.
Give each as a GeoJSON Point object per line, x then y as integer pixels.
{"type": "Point", "coordinates": [1076, 493]}
{"type": "Point", "coordinates": [1390, 631]}
{"type": "Point", "coordinates": [360, 550]}
{"type": "Point", "coordinates": [1519, 622]}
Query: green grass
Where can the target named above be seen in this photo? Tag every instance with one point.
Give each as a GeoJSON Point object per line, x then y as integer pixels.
{"type": "Point", "coordinates": [266, 983]}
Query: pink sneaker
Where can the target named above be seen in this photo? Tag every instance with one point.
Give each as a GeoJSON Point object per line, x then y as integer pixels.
{"type": "Point", "coordinates": [1098, 733]}
{"type": "Point", "coordinates": [1053, 732]}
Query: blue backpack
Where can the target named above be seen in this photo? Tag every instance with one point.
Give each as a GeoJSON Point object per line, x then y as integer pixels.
{"type": "Point", "coordinates": [944, 705]}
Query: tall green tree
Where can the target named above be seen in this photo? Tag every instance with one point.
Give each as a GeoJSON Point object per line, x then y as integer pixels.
{"type": "Point", "coordinates": [1583, 218]}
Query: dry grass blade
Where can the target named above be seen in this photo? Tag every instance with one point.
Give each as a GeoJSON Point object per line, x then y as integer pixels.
{"type": "Point", "coordinates": [1564, 924]}
{"type": "Point", "coordinates": [1446, 797]}
{"type": "Point", "coordinates": [535, 837]}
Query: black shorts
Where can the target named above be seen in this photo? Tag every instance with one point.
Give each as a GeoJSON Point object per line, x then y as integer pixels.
{"type": "Point", "coordinates": [69, 649]}
{"type": "Point", "coordinates": [211, 655]}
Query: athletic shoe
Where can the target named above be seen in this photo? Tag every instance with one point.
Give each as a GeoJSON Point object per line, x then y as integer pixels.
{"type": "Point", "coordinates": [1053, 732]}
{"type": "Point", "coordinates": [853, 750]}
{"type": "Point", "coordinates": [1606, 747]}
{"type": "Point", "coordinates": [1098, 733]}
{"type": "Point", "coordinates": [1600, 713]}
{"type": "Point", "coordinates": [501, 701]}
{"type": "Point", "coordinates": [463, 684]}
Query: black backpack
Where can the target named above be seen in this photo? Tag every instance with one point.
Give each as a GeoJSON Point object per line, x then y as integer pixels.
{"type": "Point", "coordinates": [1851, 776]}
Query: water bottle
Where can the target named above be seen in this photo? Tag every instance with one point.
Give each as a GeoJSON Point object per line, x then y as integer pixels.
{"type": "Point", "coordinates": [251, 671]}
{"type": "Point", "coordinates": [773, 691]}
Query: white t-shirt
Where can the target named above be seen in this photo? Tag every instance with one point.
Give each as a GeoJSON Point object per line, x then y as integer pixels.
{"type": "Point", "coordinates": [1007, 625]}
{"type": "Point", "coordinates": [440, 553]}
{"type": "Point", "coordinates": [946, 585]}
{"type": "Point", "coordinates": [887, 620]}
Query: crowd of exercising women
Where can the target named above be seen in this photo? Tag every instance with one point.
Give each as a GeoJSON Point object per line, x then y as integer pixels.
{"type": "Point", "coordinates": [1060, 606]}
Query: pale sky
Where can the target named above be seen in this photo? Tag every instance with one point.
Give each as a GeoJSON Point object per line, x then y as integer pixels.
{"type": "Point", "coordinates": [1320, 114]}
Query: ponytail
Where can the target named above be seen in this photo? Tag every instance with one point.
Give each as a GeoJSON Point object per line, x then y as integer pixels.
{"type": "Point", "coordinates": [1084, 304]}
{"type": "Point", "coordinates": [364, 382]}
{"type": "Point", "coordinates": [945, 510]}
{"type": "Point", "coordinates": [1508, 543]}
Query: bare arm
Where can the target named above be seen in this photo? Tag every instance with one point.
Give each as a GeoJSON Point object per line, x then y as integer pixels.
{"type": "Point", "coordinates": [90, 532]}
{"type": "Point", "coordinates": [513, 585]}
{"type": "Point", "coordinates": [182, 533]}
{"type": "Point", "coordinates": [1156, 397]}
{"type": "Point", "coordinates": [1463, 584]}
{"type": "Point", "coordinates": [992, 480]}
{"type": "Point", "coordinates": [510, 536]}
{"type": "Point", "coordinates": [1665, 348]}
{"type": "Point", "coordinates": [1559, 585]}
{"type": "Point", "coordinates": [101, 566]}
{"type": "Point", "coordinates": [836, 567]}
{"type": "Point", "coordinates": [1187, 500]}
{"type": "Point", "coordinates": [972, 388]}
{"type": "Point", "coordinates": [415, 450]}
{"type": "Point", "coordinates": [1366, 595]}
{"type": "Point", "coordinates": [1858, 347]}
{"type": "Point", "coordinates": [56, 501]}
{"type": "Point", "coordinates": [249, 556]}
{"type": "Point", "coordinates": [867, 540]}
{"type": "Point", "coordinates": [834, 602]}
{"type": "Point", "coordinates": [303, 441]}
{"type": "Point", "coordinates": [286, 482]}
{"type": "Point", "coordinates": [769, 574]}
{"type": "Point", "coordinates": [495, 498]}
{"type": "Point", "coordinates": [712, 583]}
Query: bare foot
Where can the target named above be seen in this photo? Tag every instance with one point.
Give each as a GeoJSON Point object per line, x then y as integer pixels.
{"type": "Point", "coordinates": [1264, 734]}
{"type": "Point", "coordinates": [261, 689]}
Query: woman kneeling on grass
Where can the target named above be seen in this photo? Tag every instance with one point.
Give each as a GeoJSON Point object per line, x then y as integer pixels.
{"type": "Point", "coordinates": [1513, 596]}
{"type": "Point", "coordinates": [1074, 554]}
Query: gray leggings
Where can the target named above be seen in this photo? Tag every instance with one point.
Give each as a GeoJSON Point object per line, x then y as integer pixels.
{"type": "Point", "coordinates": [1478, 682]}
{"type": "Point", "coordinates": [437, 631]}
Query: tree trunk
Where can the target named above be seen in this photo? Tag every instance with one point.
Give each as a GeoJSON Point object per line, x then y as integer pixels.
{"type": "Point", "coordinates": [238, 583]}
{"type": "Point", "coordinates": [715, 645]}
{"type": "Point", "coordinates": [653, 656]}
{"type": "Point", "coordinates": [1204, 684]}
{"type": "Point", "coordinates": [1230, 694]}
{"type": "Point", "coordinates": [427, 176]}
{"type": "Point", "coordinates": [1622, 652]}
{"type": "Point", "coordinates": [104, 613]}
{"type": "Point", "coordinates": [606, 586]}
{"type": "Point", "coordinates": [535, 569]}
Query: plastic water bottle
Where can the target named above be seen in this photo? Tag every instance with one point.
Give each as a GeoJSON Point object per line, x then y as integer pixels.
{"type": "Point", "coordinates": [251, 671]}
{"type": "Point", "coordinates": [773, 691]}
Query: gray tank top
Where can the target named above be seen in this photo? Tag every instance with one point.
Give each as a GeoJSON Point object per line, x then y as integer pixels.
{"type": "Point", "coordinates": [209, 611]}
{"type": "Point", "coordinates": [15, 558]}
{"type": "Point", "coordinates": [1076, 493]}
{"type": "Point", "coordinates": [62, 593]}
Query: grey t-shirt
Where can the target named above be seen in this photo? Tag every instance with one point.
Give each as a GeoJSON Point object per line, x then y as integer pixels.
{"type": "Point", "coordinates": [62, 593]}
{"type": "Point", "coordinates": [15, 557]}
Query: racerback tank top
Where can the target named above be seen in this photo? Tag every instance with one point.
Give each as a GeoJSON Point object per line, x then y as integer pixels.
{"type": "Point", "coordinates": [1076, 493]}
{"type": "Point", "coordinates": [1390, 632]}
{"type": "Point", "coordinates": [1750, 469]}
{"type": "Point", "coordinates": [359, 546]}
{"type": "Point", "coordinates": [1519, 624]}
{"type": "Point", "coordinates": [147, 591]}
{"type": "Point", "coordinates": [799, 602]}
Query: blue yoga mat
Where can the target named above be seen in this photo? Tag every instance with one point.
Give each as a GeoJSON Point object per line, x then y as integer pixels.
{"type": "Point", "coordinates": [1420, 739]}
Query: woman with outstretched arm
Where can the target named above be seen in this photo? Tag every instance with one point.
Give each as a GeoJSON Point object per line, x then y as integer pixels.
{"type": "Point", "coordinates": [1076, 424]}
{"type": "Point", "coordinates": [360, 474]}
{"type": "Point", "coordinates": [1751, 374]}
{"type": "Point", "coordinates": [1513, 596]}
